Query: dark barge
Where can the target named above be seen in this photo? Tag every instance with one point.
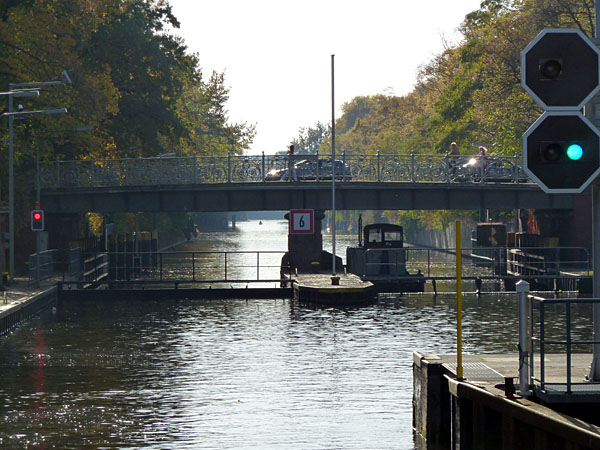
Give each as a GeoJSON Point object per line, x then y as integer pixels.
{"type": "Point", "coordinates": [381, 259]}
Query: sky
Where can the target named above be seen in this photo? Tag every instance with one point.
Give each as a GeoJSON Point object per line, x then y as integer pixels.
{"type": "Point", "coordinates": [276, 54]}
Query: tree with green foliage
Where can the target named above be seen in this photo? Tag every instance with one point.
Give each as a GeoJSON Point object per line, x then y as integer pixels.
{"type": "Point", "coordinates": [134, 82]}
{"type": "Point", "coordinates": [310, 139]}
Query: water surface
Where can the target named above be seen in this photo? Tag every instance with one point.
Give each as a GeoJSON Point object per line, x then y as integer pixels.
{"type": "Point", "coordinates": [231, 374]}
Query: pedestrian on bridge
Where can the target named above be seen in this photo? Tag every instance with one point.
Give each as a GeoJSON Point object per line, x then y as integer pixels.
{"type": "Point", "coordinates": [484, 159]}
{"type": "Point", "coordinates": [453, 158]}
{"type": "Point", "coordinates": [454, 149]}
{"type": "Point", "coordinates": [291, 165]}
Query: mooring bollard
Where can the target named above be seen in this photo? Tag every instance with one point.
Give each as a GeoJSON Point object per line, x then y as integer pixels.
{"type": "Point", "coordinates": [523, 291]}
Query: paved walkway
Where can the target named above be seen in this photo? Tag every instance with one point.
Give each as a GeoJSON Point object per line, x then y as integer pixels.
{"type": "Point", "coordinates": [19, 292]}
{"type": "Point", "coordinates": [507, 365]}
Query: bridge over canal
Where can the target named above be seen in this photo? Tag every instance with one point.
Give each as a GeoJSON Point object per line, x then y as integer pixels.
{"type": "Point", "coordinates": [257, 183]}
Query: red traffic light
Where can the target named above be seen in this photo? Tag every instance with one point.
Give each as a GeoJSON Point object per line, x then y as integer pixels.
{"type": "Point", "coordinates": [37, 220]}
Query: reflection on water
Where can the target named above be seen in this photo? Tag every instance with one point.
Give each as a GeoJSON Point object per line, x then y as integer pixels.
{"type": "Point", "coordinates": [264, 374]}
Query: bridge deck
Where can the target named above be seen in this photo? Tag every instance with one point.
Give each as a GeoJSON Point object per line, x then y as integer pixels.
{"type": "Point", "coordinates": [313, 195]}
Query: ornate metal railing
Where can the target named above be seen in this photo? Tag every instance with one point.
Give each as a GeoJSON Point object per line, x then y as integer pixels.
{"type": "Point", "coordinates": [270, 168]}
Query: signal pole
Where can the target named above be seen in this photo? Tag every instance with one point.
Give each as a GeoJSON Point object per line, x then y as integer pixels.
{"type": "Point", "coordinates": [560, 69]}
{"type": "Point", "coordinates": [332, 165]}
{"type": "Point", "coordinates": [595, 366]}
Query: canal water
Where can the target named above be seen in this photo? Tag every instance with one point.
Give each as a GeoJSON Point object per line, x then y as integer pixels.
{"type": "Point", "coordinates": [232, 374]}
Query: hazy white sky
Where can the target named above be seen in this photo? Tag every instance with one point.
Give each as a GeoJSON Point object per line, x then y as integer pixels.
{"type": "Point", "coordinates": [276, 54]}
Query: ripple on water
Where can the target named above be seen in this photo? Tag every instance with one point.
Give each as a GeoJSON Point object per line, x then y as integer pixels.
{"type": "Point", "coordinates": [228, 374]}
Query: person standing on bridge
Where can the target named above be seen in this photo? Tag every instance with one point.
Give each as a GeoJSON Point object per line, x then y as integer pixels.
{"type": "Point", "coordinates": [291, 165]}
{"type": "Point", "coordinates": [453, 158]}
{"type": "Point", "coordinates": [454, 149]}
{"type": "Point", "coordinates": [484, 159]}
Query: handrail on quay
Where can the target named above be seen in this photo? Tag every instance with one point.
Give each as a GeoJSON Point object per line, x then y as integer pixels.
{"type": "Point", "coordinates": [544, 262]}
{"type": "Point", "coordinates": [166, 266]}
{"type": "Point", "coordinates": [220, 265]}
{"type": "Point", "coordinates": [191, 170]}
{"type": "Point", "coordinates": [563, 323]}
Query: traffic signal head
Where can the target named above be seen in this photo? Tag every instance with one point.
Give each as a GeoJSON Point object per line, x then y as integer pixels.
{"type": "Point", "coordinates": [561, 152]}
{"type": "Point", "coordinates": [550, 69]}
{"type": "Point", "coordinates": [37, 220]}
{"type": "Point", "coordinates": [558, 151]}
{"type": "Point", "coordinates": [560, 69]}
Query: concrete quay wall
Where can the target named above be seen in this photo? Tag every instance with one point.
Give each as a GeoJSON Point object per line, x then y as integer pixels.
{"type": "Point", "coordinates": [23, 304]}
{"type": "Point", "coordinates": [444, 238]}
{"type": "Point", "coordinates": [458, 415]}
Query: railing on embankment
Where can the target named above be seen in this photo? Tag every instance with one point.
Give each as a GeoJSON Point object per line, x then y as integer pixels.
{"type": "Point", "coordinates": [548, 268]}
{"type": "Point", "coordinates": [166, 268]}
{"type": "Point", "coordinates": [561, 326]}
{"type": "Point", "coordinates": [564, 271]}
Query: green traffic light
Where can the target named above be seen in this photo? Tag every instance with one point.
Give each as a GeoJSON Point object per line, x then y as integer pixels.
{"type": "Point", "coordinates": [574, 152]}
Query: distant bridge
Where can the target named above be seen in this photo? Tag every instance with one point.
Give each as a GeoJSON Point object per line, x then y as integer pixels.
{"type": "Point", "coordinates": [265, 182]}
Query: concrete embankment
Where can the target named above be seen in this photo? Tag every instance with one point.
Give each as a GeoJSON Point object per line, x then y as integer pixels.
{"type": "Point", "coordinates": [482, 411]}
{"type": "Point", "coordinates": [20, 301]}
{"type": "Point", "coordinates": [444, 238]}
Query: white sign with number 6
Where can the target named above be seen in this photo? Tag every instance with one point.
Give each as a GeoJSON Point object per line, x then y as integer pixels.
{"type": "Point", "coordinates": [302, 221]}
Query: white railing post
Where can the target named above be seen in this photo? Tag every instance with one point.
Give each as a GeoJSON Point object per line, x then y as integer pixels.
{"type": "Point", "coordinates": [524, 338]}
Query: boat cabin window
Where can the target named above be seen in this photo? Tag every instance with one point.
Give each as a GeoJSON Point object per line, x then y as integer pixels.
{"type": "Point", "coordinates": [383, 236]}
{"type": "Point", "coordinates": [375, 236]}
{"type": "Point", "coordinates": [393, 236]}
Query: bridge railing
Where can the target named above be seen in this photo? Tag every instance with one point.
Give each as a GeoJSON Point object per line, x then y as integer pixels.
{"type": "Point", "coordinates": [187, 170]}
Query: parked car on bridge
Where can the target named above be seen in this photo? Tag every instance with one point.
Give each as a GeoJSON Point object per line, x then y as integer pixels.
{"type": "Point", "coordinates": [308, 169]}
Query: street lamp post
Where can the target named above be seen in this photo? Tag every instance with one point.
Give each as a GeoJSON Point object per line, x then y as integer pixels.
{"type": "Point", "coordinates": [11, 94]}
{"type": "Point", "coordinates": [11, 189]}
{"type": "Point", "coordinates": [22, 90]}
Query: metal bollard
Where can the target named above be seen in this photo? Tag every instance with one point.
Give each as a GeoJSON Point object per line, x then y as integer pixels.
{"type": "Point", "coordinates": [523, 291]}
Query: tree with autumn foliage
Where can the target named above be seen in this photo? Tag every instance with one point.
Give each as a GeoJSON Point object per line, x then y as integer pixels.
{"type": "Point", "coordinates": [135, 84]}
{"type": "Point", "coordinates": [469, 94]}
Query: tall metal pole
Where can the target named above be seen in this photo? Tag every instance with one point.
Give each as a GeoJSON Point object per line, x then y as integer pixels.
{"type": "Point", "coordinates": [37, 206]}
{"type": "Point", "coordinates": [333, 164]}
{"type": "Point", "coordinates": [11, 193]}
{"type": "Point", "coordinates": [595, 368]}
{"type": "Point", "coordinates": [597, 22]}
{"type": "Point", "coordinates": [459, 358]}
